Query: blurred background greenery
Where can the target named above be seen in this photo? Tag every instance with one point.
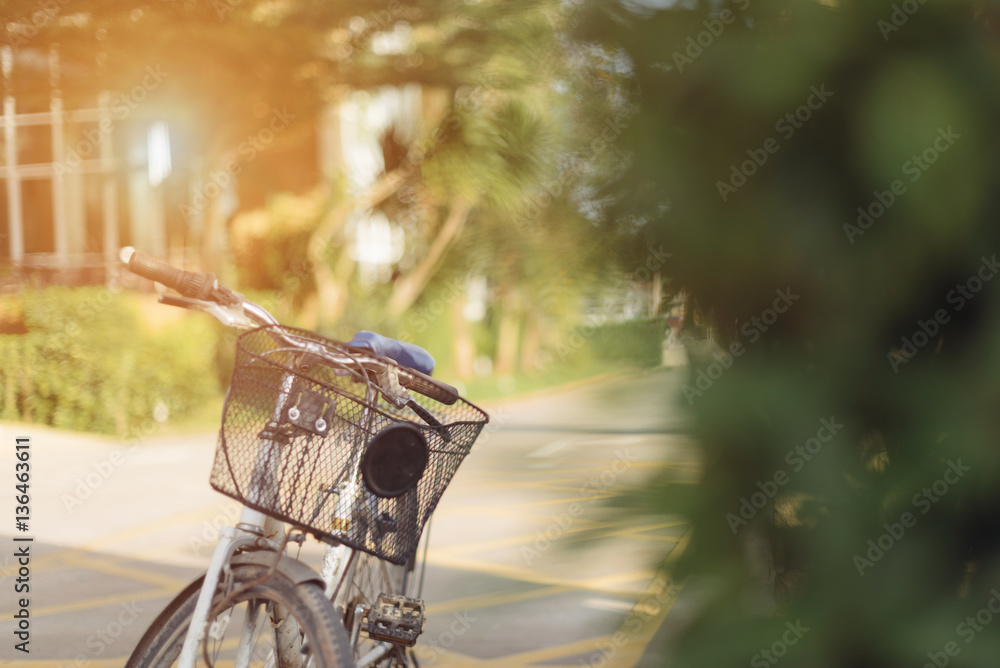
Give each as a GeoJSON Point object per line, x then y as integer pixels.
{"type": "Point", "coordinates": [894, 108]}
{"type": "Point", "coordinates": [821, 173]}
{"type": "Point", "coordinates": [423, 169]}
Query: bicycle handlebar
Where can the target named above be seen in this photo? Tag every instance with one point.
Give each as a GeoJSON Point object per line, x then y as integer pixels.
{"type": "Point", "coordinates": [188, 283]}
{"type": "Point", "coordinates": [412, 379]}
{"type": "Point", "coordinates": [205, 287]}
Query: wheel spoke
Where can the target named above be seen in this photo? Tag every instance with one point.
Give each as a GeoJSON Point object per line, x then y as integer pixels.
{"type": "Point", "coordinates": [368, 578]}
{"type": "Point", "coordinates": [247, 637]}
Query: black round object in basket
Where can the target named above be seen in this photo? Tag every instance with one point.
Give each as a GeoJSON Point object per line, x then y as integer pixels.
{"type": "Point", "coordinates": [394, 460]}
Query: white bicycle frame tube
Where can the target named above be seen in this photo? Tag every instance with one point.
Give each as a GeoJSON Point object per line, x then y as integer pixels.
{"type": "Point", "coordinates": [192, 641]}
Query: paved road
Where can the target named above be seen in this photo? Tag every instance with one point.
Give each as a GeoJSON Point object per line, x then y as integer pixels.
{"type": "Point", "coordinates": [528, 564]}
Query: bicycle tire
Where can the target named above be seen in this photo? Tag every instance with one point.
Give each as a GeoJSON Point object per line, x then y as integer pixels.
{"type": "Point", "coordinates": [325, 641]}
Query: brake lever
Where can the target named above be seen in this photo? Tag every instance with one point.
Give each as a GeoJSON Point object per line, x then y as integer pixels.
{"type": "Point", "coordinates": [230, 315]}
{"type": "Point", "coordinates": [182, 302]}
{"type": "Point", "coordinates": [432, 421]}
{"type": "Point", "coordinates": [396, 394]}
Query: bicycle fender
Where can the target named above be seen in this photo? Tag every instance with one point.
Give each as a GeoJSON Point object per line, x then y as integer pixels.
{"type": "Point", "coordinates": [293, 569]}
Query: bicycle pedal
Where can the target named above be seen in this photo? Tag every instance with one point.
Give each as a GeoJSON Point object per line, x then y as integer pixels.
{"type": "Point", "coordinates": [397, 619]}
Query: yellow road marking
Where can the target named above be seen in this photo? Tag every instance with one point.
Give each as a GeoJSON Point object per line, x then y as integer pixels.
{"type": "Point", "coordinates": [640, 528]}
{"type": "Point", "coordinates": [443, 658]}
{"type": "Point", "coordinates": [491, 599]}
{"type": "Point", "coordinates": [524, 539]}
{"type": "Point", "coordinates": [551, 502]}
{"type": "Point", "coordinates": [581, 473]}
{"type": "Point", "coordinates": [117, 569]}
{"type": "Point", "coordinates": [62, 663]}
{"type": "Point", "coordinates": [636, 643]}
{"type": "Point", "coordinates": [160, 526]}
{"type": "Point", "coordinates": [494, 511]}
{"type": "Point", "coordinates": [606, 581]}
{"type": "Point", "coordinates": [53, 561]}
{"type": "Point", "coordinates": [601, 531]}
{"type": "Point", "coordinates": [602, 584]}
{"type": "Point", "coordinates": [535, 484]}
{"type": "Point", "coordinates": [536, 656]}
{"type": "Point", "coordinates": [654, 539]}
{"type": "Point", "coordinates": [48, 561]}
{"type": "Point", "coordinates": [625, 647]}
{"type": "Point", "coordinates": [102, 601]}
{"type": "Point", "coordinates": [600, 466]}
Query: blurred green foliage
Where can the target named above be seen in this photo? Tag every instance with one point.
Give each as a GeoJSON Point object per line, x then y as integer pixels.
{"type": "Point", "coordinates": [902, 128]}
{"type": "Point", "coordinates": [87, 361]}
{"type": "Point", "coordinates": [634, 342]}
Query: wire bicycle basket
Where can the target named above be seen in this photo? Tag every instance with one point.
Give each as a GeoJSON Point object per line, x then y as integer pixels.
{"type": "Point", "coordinates": [296, 426]}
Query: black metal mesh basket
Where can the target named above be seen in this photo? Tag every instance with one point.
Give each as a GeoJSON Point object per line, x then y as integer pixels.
{"type": "Point", "coordinates": [293, 433]}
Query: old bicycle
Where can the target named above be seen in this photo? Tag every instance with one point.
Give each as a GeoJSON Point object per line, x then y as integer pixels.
{"type": "Point", "coordinates": [326, 438]}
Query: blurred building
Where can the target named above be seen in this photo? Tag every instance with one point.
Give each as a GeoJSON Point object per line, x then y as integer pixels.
{"type": "Point", "coordinates": [85, 171]}
{"type": "Point", "coordinates": [79, 180]}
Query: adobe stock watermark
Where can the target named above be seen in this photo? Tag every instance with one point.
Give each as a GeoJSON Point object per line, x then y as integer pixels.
{"type": "Point", "coordinates": [25, 28]}
{"type": "Point", "coordinates": [99, 641]}
{"type": "Point", "coordinates": [714, 27]}
{"type": "Point", "coordinates": [753, 329]}
{"type": "Point", "coordinates": [498, 419]}
{"type": "Point", "coordinates": [85, 312]}
{"type": "Point", "coordinates": [923, 500]}
{"type": "Point", "coordinates": [468, 99]}
{"type": "Point", "coordinates": [926, 330]}
{"type": "Point", "coordinates": [297, 275]}
{"type": "Point", "coordinates": [901, 13]}
{"type": "Point", "coordinates": [786, 126]}
{"type": "Point", "coordinates": [223, 7]}
{"type": "Point", "coordinates": [915, 167]}
{"type": "Point", "coordinates": [779, 648]}
{"type": "Point", "coordinates": [248, 149]}
{"type": "Point", "coordinates": [418, 321]}
{"type": "Point", "coordinates": [796, 458]}
{"type": "Point", "coordinates": [375, 22]}
{"type": "Point", "coordinates": [120, 107]}
{"type": "Point", "coordinates": [593, 489]}
{"type": "Point", "coordinates": [967, 629]}
{"type": "Point", "coordinates": [88, 484]}
{"type": "Point", "coordinates": [211, 529]}
{"type": "Point", "coordinates": [460, 625]}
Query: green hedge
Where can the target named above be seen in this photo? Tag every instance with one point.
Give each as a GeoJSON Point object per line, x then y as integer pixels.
{"type": "Point", "coordinates": [88, 362]}
{"type": "Point", "coordinates": [636, 342]}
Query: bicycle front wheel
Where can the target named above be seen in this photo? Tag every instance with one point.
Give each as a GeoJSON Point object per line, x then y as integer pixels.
{"type": "Point", "coordinates": [274, 623]}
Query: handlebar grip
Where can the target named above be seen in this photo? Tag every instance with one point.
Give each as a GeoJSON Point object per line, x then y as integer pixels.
{"type": "Point", "coordinates": [189, 283]}
{"type": "Point", "coordinates": [412, 379]}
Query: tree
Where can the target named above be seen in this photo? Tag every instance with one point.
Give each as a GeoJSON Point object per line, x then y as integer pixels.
{"type": "Point", "coordinates": [825, 160]}
{"type": "Point", "coordinates": [497, 147]}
